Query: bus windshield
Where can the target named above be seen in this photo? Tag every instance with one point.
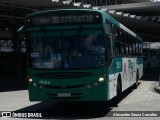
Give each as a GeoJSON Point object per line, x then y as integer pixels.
{"type": "Point", "coordinates": [67, 49]}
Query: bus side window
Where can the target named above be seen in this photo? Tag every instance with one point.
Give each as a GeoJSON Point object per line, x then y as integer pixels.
{"type": "Point", "coordinates": [115, 37]}
{"type": "Point", "coordinates": [132, 48]}
{"type": "Point", "coordinates": [129, 45]}
{"type": "Point", "coordinates": [109, 42]}
{"type": "Point", "coordinates": [135, 47]}
{"type": "Point", "coordinates": [118, 43]}
{"type": "Point", "coordinates": [109, 45]}
{"type": "Point", "coordinates": [141, 47]}
{"type": "Point", "coordinates": [109, 48]}
{"type": "Point", "coordinates": [121, 39]}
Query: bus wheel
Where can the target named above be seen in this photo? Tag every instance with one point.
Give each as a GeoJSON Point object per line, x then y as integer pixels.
{"type": "Point", "coordinates": [137, 77]}
{"type": "Point", "coordinates": [119, 91]}
{"type": "Point", "coordinates": [117, 99]}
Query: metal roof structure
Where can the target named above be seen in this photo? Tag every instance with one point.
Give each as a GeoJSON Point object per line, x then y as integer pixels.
{"type": "Point", "coordinates": [35, 3]}
{"type": "Point", "coordinates": [147, 8]}
{"type": "Point", "coordinates": [143, 18]}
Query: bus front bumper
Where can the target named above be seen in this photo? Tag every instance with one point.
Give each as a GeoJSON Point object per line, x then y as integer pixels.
{"type": "Point", "coordinates": [98, 93]}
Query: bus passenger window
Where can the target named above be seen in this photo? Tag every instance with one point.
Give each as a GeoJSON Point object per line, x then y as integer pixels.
{"type": "Point", "coordinates": [126, 49]}
{"type": "Point", "coordinates": [109, 48]}
{"type": "Point", "coordinates": [121, 34]}
{"type": "Point", "coordinates": [129, 50]}
{"type": "Point", "coordinates": [141, 47]}
{"type": "Point", "coordinates": [132, 43]}
{"type": "Point", "coordinates": [109, 45]}
{"type": "Point", "coordinates": [118, 48]}
{"type": "Point", "coordinates": [122, 50]}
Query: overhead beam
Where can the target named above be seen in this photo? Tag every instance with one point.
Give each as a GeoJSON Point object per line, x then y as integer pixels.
{"type": "Point", "coordinates": [140, 26]}
{"type": "Point", "coordinates": [139, 9]}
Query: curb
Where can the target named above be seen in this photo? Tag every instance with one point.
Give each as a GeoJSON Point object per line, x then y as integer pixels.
{"type": "Point", "coordinates": [157, 89]}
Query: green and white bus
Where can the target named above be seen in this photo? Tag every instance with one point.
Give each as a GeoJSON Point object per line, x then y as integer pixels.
{"type": "Point", "coordinates": [80, 55]}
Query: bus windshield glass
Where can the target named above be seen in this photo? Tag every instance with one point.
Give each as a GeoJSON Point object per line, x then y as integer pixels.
{"type": "Point", "coordinates": [67, 49]}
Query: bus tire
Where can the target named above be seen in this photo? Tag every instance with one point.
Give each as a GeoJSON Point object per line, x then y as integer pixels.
{"type": "Point", "coordinates": [137, 78]}
{"type": "Point", "coordinates": [119, 91]}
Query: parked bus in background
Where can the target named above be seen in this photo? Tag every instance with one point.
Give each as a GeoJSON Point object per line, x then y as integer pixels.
{"type": "Point", "coordinates": [80, 55]}
{"type": "Point", "coordinates": [151, 58]}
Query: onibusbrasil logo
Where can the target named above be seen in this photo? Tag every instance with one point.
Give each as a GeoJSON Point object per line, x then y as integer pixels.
{"type": "Point", "coordinates": [22, 114]}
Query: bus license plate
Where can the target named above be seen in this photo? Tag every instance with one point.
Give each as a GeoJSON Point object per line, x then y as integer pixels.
{"type": "Point", "coordinates": [64, 94]}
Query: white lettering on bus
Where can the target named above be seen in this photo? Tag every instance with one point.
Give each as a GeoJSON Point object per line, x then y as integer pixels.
{"type": "Point", "coordinates": [55, 20]}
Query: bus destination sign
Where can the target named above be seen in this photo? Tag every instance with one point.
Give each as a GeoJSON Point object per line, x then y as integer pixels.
{"type": "Point", "coordinates": [67, 19]}
{"type": "Point", "coordinates": [64, 19]}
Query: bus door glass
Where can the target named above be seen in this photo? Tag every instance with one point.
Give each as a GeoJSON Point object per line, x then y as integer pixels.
{"type": "Point", "coordinates": [109, 45]}
{"type": "Point", "coordinates": [110, 49]}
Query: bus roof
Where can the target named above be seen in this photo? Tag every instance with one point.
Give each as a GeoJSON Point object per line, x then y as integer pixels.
{"type": "Point", "coordinates": [114, 21]}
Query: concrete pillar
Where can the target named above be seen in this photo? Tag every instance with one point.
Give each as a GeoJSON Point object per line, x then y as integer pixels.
{"type": "Point", "coordinates": [16, 51]}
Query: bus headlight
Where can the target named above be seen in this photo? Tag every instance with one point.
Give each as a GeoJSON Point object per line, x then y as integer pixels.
{"type": "Point", "coordinates": [101, 79]}
{"type": "Point", "coordinates": [30, 80]}
{"type": "Point", "coordinates": [36, 85]}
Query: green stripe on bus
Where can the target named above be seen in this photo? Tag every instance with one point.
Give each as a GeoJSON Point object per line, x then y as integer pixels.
{"type": "Point", "coordinates": [139, 61]}
{"type": "Point", "coordinates": [116, 66]}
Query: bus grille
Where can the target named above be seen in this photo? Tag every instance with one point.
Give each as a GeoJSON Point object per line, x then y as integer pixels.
{"type": "Point", "coordinates": [72, 97]}
{"type": "Point", "coordinates": [63, 75]}
{"type": "Point", "coordinates": [63, 87]}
